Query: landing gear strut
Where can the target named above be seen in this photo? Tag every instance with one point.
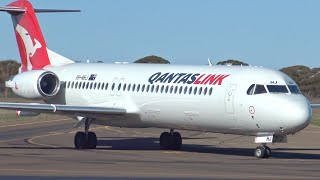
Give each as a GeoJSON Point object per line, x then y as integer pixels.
{"type": "Point", "coordinates": [86, 139]}
{"type": "Point", "coordinates": [170, 140]}
{"type": "Point", "coordinates": [262, 151]}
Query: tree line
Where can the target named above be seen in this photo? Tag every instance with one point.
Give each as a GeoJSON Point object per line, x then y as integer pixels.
{"type": "Point", "coordinates": [307, 79]}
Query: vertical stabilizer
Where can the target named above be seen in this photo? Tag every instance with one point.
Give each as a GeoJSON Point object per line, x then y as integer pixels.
{"type": "Point", "coordinates": [32, 46]}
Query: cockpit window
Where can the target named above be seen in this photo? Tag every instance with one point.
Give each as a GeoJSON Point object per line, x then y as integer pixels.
{"type": "Point", "coordinates": [250, 90]}
{"type": "Point", "coordinates": [294, 89]}
{"type": "Point", "coordinates": [260, 89]}
{"type": "Point", "coordinates": [277, 89]}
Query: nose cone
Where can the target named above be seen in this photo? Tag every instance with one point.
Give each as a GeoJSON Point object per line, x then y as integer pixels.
{"type": "Point", "coordinates": [299, 116]}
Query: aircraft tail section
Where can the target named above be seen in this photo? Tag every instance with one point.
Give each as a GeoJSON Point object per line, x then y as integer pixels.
{"type": "Point", "coordinates": [32, 46]}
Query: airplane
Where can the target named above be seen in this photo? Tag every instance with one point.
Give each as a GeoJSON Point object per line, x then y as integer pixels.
{"type": "Point", "coordinates": [243, 100]}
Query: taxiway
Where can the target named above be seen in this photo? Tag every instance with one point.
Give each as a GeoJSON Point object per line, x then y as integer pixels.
{"type": "Point", "coordinates": [44, 149]}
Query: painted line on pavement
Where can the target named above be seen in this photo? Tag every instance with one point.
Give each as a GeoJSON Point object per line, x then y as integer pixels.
{"type": "Point", "coordinates": [32, 139]}
{"type": "Point", "coordinates": [23, 124]}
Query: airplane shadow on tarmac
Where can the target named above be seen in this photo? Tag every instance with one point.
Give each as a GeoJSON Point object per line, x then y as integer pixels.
{"type": "Point", "coordinates": [129, 143]}
{"type": "Point", "coordinates": [152, 144]}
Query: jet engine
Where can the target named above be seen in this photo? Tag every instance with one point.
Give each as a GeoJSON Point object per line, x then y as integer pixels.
{"type": "Point", "coordinates": [36, 84]}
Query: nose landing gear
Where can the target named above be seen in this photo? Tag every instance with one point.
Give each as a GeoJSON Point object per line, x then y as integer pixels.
{"type": "Point", "coordinates": [262, 151]}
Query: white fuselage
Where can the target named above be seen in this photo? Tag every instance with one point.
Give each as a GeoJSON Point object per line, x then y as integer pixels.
{"type": "Point", "coordinates": [185, 98]}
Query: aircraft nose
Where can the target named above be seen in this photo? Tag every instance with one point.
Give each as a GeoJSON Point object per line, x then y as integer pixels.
{"type": "Point", "coordinates": [299, 116]}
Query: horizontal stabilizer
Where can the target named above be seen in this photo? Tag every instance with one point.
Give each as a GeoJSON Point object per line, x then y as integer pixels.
{"type": "Point", "coordinates": [54, 10]}
{"type": "Point", "coordinates": [12, 9]}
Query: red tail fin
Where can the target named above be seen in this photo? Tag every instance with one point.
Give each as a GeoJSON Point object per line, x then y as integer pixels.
{"type": "Point", "coordinates": [32, 46]}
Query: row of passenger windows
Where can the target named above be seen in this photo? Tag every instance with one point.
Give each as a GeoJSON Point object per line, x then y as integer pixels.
{"type": "Point", "coordinates": [141, 88]}
{"type": "Point", "coordinates": [260, 89]}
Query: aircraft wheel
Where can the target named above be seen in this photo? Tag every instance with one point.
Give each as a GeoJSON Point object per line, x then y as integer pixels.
{"type": "Point", "coordinates": [267, 151]}
{"type": "Point", "coordinates": [259, 152]}
{"type": "Point", "coordinates": [165, 140]}
{"type": "Point", "coordinates": [80, 140]}
{"type": "Point", "coordinates": [177, 141]}
{"type": "Point", "coordinates": [92, 140]}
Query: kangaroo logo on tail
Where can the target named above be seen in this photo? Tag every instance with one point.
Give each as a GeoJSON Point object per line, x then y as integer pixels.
{"type": "Point", "coordinates": [32, 46]}
{"type": "Point", "coordinates": [35, 47]}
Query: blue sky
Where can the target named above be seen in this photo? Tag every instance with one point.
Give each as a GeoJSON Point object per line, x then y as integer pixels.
{"type": "Point", "coordinates": [270, 33]}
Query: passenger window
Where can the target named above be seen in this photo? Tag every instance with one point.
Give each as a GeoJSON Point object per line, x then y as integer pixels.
{"type": "Point", "coordinates": [171, 89]}
{"type": "Point", "coordinates": [148, 88]}
{"type": "Point", "coordinates": [157, 88]}
{"type": "Point", "coordinates": [190, 90]}
{"type": "Point", "coordinates": [68, 84]}
{"type": "Point", "coordinates": [200, 90]}
{"type": "Point", "coordinates": [76, 86]}
{"type": "Point", "coordinates": [83, 85]}
{"type": "Point", "coordinates": [260, 89]}
{"type": "Point", "coordinates": [167, 88]}
{"type": "Point", "coordinates": [210, 91]}
{"type": "Point", "coordinates": [119, 87]}
{"type": "Point", "coordinates": [162, 88]}
{"type": "Point", "coordinates": [180, 89]}
{"type": "Point", "coordinates": [129, 87]}
{"type": "Point", "coordinates": [133, 87]}
{"type": "Point", "coordinates": [72, 84]}
{"type": "Point", "coordinates": [102, 86]}
{"type": "Point", "coordinates": [124, 87]}
{"type": "Point", "coordinates": [106, 86]}
{"type": "Point", "coordinates": [138, 88]}
{"type": "Point", "coordinates": [80, 85]}
{"type": "Point", "coordinates": [205, 91]}
{"type": "Point", "coordinates": [87, 86]}
{"type": "Point", "coordinates": [176, 89]}
{"type": "Point", "coordinates": [91, 85]}
{"type": "Point", "coordinates": [99, 84]}
{"type": "Point", "coordinates": [195, 90]}
{"type": "Point", "coordinates": [152, 88]}
{"type": "Point", "coordinates": [112, 87]}
{"type": "Point", "coordinates": [250, 89]}
{"type": "Point", "coordinates": [143, 87]}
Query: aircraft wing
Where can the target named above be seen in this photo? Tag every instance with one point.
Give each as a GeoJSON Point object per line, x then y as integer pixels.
{"type": "Point", "coordinates": [62, 109]}
{"type": "Point", "coordinates": [315, 105]}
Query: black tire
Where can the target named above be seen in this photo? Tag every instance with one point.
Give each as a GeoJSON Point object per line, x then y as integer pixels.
{"type": "Point", "coordinates": [80, 140]}
{"type": "Point", "coordinates": [259, 152]}
{"type": "Point", "coordinates": [92, 140]}
{"type": "Point", "coordinates": [177, 139]}
{"type": "Point", "coordinates": [165, 140]}
{"type": "Point", "coordinates": [267, 152]}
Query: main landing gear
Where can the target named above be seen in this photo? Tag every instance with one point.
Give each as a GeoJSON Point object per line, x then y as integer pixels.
{"type": "Point", "coordinates": [262, 151]}
{"type": "Point", "coordinates": [172, 140]}
{"type": "Point", "coordinates": [86, 139]}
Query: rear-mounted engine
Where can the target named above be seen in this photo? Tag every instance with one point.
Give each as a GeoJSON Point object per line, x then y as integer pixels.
{"type": "Point", "coordinates": [36, 84]}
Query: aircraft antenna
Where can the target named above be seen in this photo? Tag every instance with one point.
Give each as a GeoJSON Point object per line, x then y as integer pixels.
{"type": "Point", "coordinates": [210, 63]}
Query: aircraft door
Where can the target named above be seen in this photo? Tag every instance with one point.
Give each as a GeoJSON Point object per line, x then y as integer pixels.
{"type": "Point", "coordinates": [229, 98]}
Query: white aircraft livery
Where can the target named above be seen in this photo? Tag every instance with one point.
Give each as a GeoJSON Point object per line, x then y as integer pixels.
{"type": "Point", "coordinates": [242, 100]}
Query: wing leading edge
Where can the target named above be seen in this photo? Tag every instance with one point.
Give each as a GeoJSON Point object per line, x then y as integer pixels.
{"type": "Point", "coordinates": [62, 109]}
